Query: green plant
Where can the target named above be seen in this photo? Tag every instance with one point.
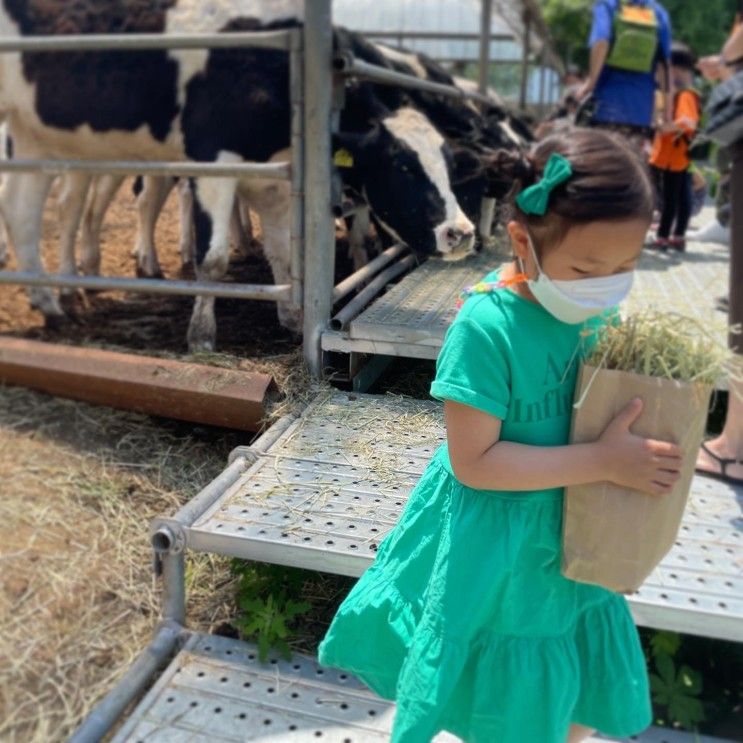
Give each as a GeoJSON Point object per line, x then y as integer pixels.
{"type": "Point", "coordinates": [266, 598]}
{"type": "Point", "coordinates": [676, 691]}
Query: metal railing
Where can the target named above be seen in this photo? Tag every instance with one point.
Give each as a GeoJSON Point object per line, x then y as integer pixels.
{"type": "Point", "coordinates": [289, 40]}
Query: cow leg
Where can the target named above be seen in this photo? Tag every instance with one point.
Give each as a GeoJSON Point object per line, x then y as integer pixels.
{"type": "Point", "coordinates": [240, 237]}
{"type": "Point", "coordinates": [22, 198]}
{"type": "Point", "coordinates": [149, 205]}
{"type": "Point", "coordinates": [357, 238]}
{"type": "Point", "coordinates": [3, 245]}
{"type": "Point", "coordinates": [213, 200]}
{"type": "Point", "coordinates": [185, 219]}
{"type": "Point", "coordinates": [273, 212]}
{"type": "Point", "coordinates": [101, 195]}
{"type": "Point", "coordinates": [244, 207]}
{"type": "Point", "coordinates": [70, 208]}
{"type": "Point", "coordinates": [487, 216]}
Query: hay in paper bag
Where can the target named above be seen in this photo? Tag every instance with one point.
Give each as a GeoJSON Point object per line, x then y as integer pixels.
{"type": "Point", "coordinates": [614, 536]}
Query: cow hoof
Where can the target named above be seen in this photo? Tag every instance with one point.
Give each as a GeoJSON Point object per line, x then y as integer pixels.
{"type": "Point", "coordinates": [142, 274]}
{"type": "Point", "coordinates": [67, 302]}
{"type": "Point", "coordinates": [203, 346]}
{"type": "Point", "coordinates": [57, 322]}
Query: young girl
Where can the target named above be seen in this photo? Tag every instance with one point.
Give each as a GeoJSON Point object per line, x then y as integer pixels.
{"type": "Point", "coordinates": [464, 618]}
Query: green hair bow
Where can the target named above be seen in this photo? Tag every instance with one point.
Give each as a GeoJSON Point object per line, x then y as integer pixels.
{"type": "Point", "coordinates": [534, 200]}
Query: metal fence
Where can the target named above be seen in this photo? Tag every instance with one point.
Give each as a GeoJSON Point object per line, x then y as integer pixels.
{"type": "Point", "coordinates": [313, 72]}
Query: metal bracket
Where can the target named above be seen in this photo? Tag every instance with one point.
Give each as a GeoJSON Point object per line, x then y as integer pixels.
{"type": "Point", "coordinates": [246, 452]}
{"type": "Point", "coordinates": [167, 535]}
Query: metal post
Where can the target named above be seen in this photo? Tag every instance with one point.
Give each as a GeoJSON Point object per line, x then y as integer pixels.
{"type": "Point", "coordinates": [542, 79]}
{"type": "Point", "coordinates": [525, 59]}
{"type": "Point", "coordinates": [485, 22]}
{"type": "Point", "coordinates": [296, 92]}
{"type": "Point", "coordinates": [174, 587]}
{"type": "Point", "coordinates": [107, 711]}
{"type": "Point", "coordinates": [318, 217]}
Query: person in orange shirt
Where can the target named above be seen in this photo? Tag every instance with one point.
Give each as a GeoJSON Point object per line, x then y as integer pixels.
{"type": "Point", "coordinates": [669, 157]}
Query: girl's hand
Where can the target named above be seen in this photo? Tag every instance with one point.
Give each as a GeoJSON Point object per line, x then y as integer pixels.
{"type": "Point", "coordinates": [634, 462]}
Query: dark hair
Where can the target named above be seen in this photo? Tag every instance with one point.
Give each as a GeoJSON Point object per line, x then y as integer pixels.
{"type": "Point", "coordinates": [682, 56]}
{"type": "Point", "coordinates": [610, 182]}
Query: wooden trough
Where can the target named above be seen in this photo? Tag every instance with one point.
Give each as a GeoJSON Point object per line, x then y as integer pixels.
{"type": "Point", "coordinates": [173, 389]}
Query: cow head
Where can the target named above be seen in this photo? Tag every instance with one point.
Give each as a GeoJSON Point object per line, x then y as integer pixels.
{"type": "Point", "coordinates": [401, 166]}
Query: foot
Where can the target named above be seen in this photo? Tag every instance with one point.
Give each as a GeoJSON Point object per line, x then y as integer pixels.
{"type": "Point", "coordinates": [714, 232]}
{"type": "Point", "coordinates": [717, 460]}
{"type": "Point", "coordinates": [678, 243]}
{"type": "Point", "coordinates": [660, 243]}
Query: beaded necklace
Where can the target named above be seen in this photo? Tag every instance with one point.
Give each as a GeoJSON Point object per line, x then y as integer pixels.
{"type": "Point", "coordinates": [485, 287]}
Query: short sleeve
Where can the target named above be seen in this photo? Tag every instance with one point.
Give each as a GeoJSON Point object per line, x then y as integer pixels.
{"type": "Point", "coordinates": [473, 368]}
{"type": "Point", "coordinates": [601, 27]}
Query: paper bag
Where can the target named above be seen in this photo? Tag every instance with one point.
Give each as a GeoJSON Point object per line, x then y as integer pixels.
{"type": "Point", "coordinates": [614, 536]}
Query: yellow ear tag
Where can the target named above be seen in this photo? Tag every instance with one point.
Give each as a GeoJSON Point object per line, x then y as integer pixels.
{"type": "Point", "coordinates": [343, 158]}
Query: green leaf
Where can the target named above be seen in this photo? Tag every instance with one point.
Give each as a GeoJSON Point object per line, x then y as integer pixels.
{"type": "Point", "coordinates": [666, 668]}
{"type": "Point", "coordinates": [663, 642]}
{"type": "Point", "coordinates": [691, 680]}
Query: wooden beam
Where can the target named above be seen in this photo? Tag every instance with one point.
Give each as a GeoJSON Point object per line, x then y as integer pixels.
{"type": "Point", "coordinates": [173, 389]}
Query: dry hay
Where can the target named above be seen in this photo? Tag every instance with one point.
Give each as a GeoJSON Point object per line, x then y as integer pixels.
{"type": "Point", "coordinates": [77, 598]}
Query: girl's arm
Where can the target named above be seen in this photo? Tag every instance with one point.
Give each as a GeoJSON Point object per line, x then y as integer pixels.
{"type": "Point", "coordinates": [480, 460]}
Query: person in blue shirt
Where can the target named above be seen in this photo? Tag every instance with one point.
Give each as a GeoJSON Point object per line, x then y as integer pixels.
{"type": "Point", "coordinates": [623, 98]}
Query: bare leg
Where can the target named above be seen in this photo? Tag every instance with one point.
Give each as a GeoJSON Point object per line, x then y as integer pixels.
{"type": "Point", "coordinates": [729, 444]}
{"type": "Point", "coordinates": [213, 201]}
{"type": "Point", "coordinates": [22, 198]}
{"type": "Point", "coordinates": [103, 190]}
{"type": "Point", "coordinates": [578, 733]}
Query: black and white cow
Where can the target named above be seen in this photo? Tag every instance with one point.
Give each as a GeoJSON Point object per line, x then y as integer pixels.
{"type": "Point", "coordinates": [225, 105]}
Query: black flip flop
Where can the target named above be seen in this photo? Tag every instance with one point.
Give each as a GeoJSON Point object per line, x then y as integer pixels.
{"type": "Point", "coordinates": [724, 463]}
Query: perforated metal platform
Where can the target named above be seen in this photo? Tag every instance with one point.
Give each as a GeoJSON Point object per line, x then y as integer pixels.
{"type": "Point", "coordinates": [334, 483]}
{"type": "Point", "coordinates": [410, 320]}
{"type": "Point", "coordinates": [216, 690]}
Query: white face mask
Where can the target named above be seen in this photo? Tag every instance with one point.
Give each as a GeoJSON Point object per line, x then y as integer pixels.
{"type": "Point", "coordinates": [575, 301]}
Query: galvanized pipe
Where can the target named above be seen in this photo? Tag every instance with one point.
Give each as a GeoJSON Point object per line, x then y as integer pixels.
{"type": "Point", "coordinates": [486, 18]}
{"type": "Point", "coordinates": [525, 59]}
{"type": "Point", "coordinates": [358, 277]}
{"type": "Point", "coordinates": [280, 171]}
{"type": "Point", "coordinates": [195, 507]}
{"type": "Point", "coordinates": [264, 292]}
{"type": "Point", "coordinates": [123, 42]}
{"type": "Point", "coordinates": [296, 86]}
{"type": "Point", "coordinates": [318, 215]}
{"type": "Point", "coordinates": [347, 64]}
{"type": "Point", "coordinates": [433, 35]}
{"type": "Point", "coordinates": [105, 714]}
{"type": "Point", "coordinates": [370, 291]}
{"type": "Point", "coordinates": [174, 588]}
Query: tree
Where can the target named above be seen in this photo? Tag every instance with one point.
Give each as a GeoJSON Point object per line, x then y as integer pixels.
{"type": "Point", "coordinates": [703, 26]}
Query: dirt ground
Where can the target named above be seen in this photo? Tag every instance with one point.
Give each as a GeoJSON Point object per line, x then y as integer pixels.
{"type": "Point", "coordinates": [80, 484]}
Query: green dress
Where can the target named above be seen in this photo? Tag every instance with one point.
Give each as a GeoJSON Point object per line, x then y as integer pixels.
{"type": "Point", "coordinates": [464, 618]}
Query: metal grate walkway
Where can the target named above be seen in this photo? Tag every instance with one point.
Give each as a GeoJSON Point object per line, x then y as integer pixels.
{"type": "Point", "coordinates": [216, 690]}
{"type": "Point", "coordinates": [410, 320]}
{"type": "Point", "coordinates": [333, 484]}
